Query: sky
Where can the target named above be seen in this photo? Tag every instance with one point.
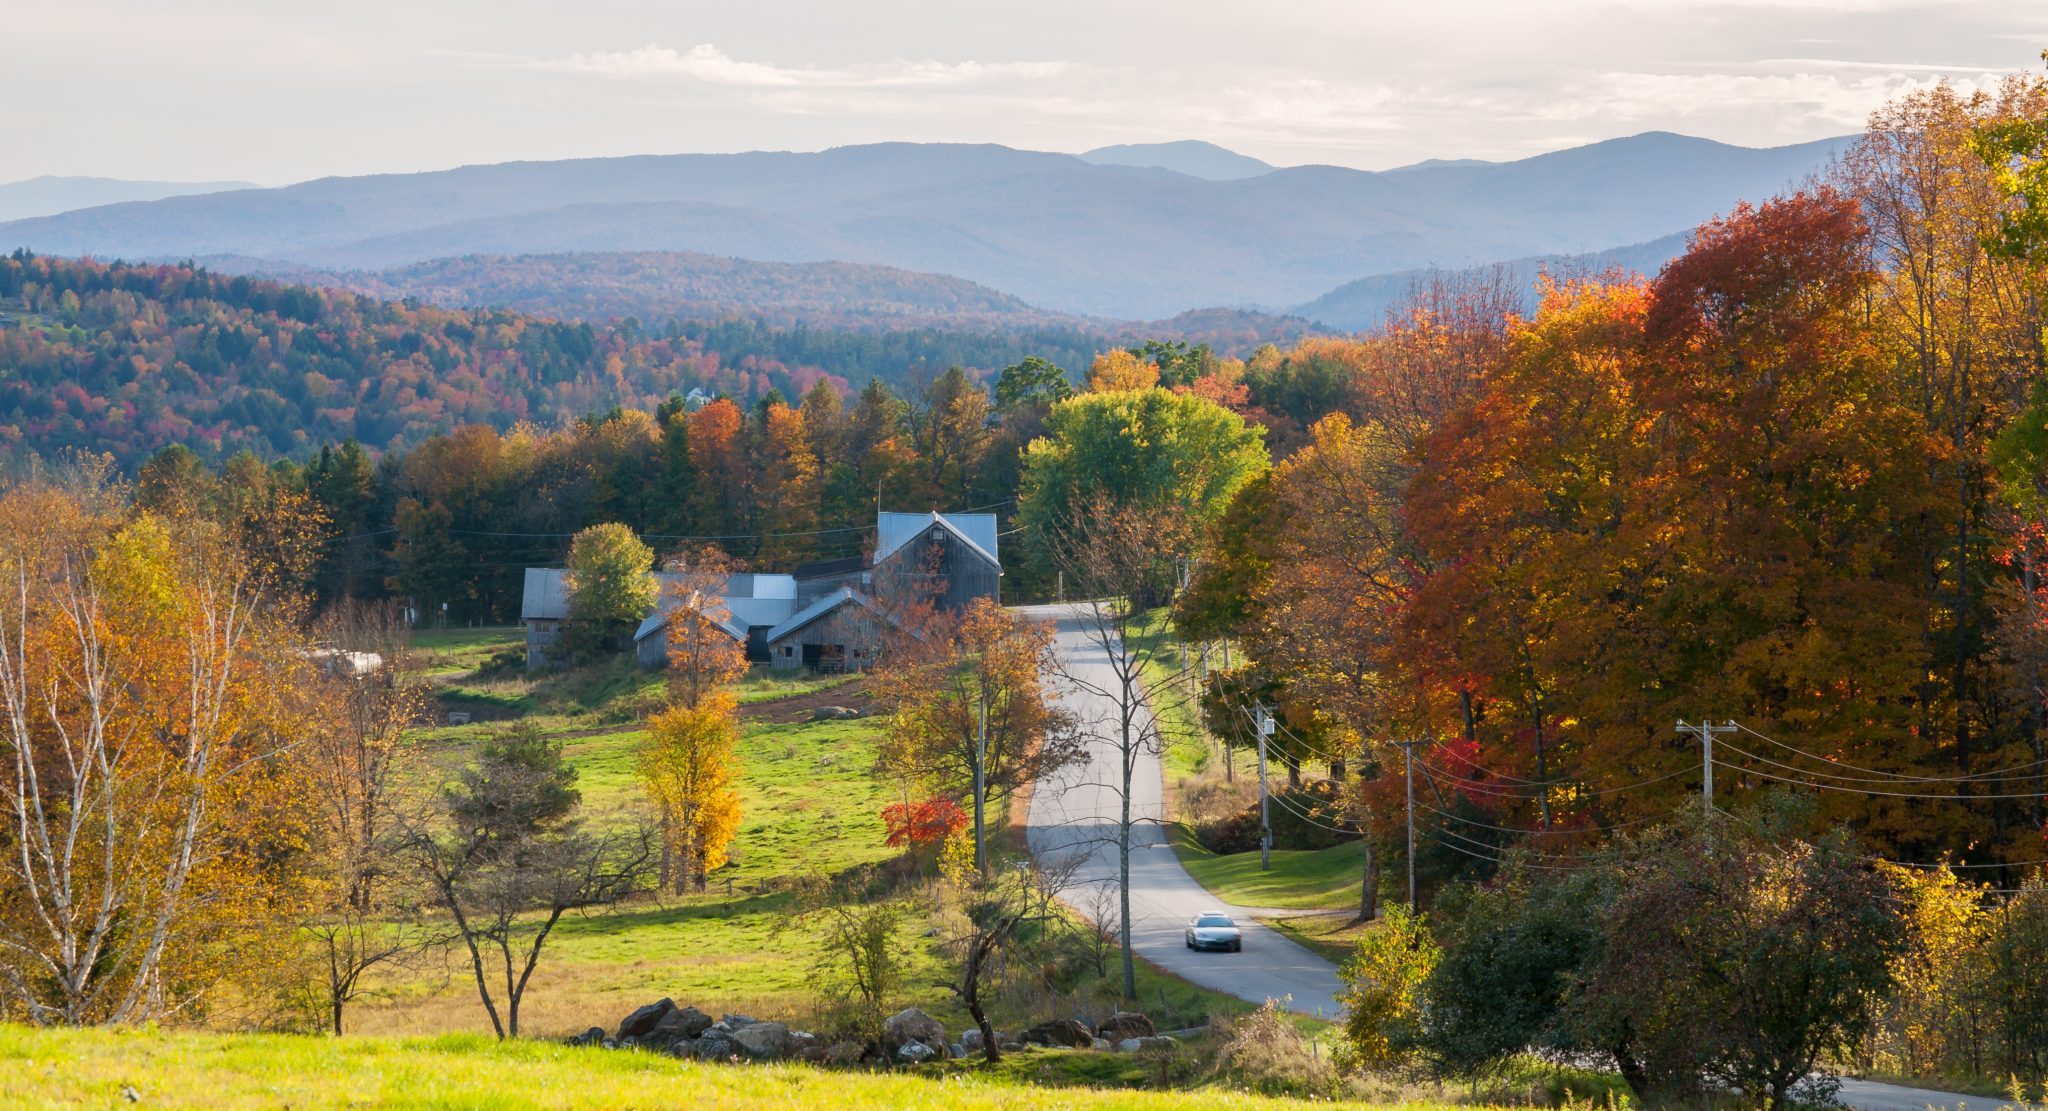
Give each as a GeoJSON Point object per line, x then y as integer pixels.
{"type": "Point", "coordinates": [285, 90]}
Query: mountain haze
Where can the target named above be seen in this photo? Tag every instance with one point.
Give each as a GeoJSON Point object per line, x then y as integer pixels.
{"type": "Point", "coordinates": [1189, 156]}
{"type": "Point", "coordinates": [48, 195]}
{"type": "Point", "coordinates": [1055, 230]}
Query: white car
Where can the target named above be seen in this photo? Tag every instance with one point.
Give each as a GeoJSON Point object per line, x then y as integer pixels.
{"type": "Point", "coordinates": [1214, 931]}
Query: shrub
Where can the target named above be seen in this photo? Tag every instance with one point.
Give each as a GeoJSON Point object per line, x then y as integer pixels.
{"type": "Point", "coordinates": [1382, 994]}
{"type": "Point", "coordinates": [1263, 1053]}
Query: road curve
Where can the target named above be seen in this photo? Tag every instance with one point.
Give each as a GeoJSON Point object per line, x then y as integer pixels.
{"type": "Point", "coordinates": [1076, 811]}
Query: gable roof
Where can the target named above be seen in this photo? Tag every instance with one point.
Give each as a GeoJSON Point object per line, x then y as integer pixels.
{"type": "Point", "coordinates": [976, 530]}
{"type": "Point", "coordinates": [658, 620]}
{"type": "Point", "coordinates": [547, 595]}
{"type": "Point", "coordinates": [823, 606]}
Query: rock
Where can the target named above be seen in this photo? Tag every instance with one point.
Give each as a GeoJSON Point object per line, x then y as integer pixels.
{"type": "Point", "coordinates": [912, 1025]}
{"type": "Point", "coordinates": [1010, 1047]}
{"type": "Point", "coordinates": [1137, 1045]}
{"type": "Point", "coordinates": [914, 1053]}
{"type": "Point", "coordinates": [956, 1051]}
{"type": "Point", "coordinates": [643, 1020]}
{"type": "Point", "coordinates": [609, 1043]}
{"type": "Point", "coordinates": [1062, 1031]}
{"type": "Point", "coordinates": [735, 1022]}
{"type": "Point", "coordinates": [629, 1042]}
{"type": "Point", "coordinates": [801, 1040]}
{"type": "Point", "coordinates": [1099, 1045]}
{"type": "Point", "coordinates": [844, 1053]}
{"type": "Point", "coordinates": [834, 713]}
{"type": "Point", "coordinates": [1125, 1024]}
{"type": "Point", "coordinates": [716, 1045]}
{"type": "Point", "coordinates": [592, 1036]}
{"type": "Point", "coordinates": [680, 1025]}
{"type": "Point", "coordinates": [764, 1041]}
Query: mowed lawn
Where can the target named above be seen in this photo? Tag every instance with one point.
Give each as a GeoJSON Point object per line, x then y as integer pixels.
{"type": "Point", "coordinates": [109, 1068]}
{"type": "Point", "coordinates": [1300, 879]}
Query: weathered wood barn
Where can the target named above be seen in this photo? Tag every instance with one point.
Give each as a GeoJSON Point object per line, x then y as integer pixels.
{"type": "Point", "coordinates": [825, 615]}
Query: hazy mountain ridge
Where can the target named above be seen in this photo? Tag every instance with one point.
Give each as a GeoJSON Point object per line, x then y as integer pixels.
{"type": "Point", "coordinates": [1362, 304]}
{"type": "Point", "coordinates": [1188, 156]}
{"type": "Point", "coordinates": [1052, 229]}
{"type": "Point", "coordinates": [51, 194]}
{"type": "Point", "coordinates": [657, 286]}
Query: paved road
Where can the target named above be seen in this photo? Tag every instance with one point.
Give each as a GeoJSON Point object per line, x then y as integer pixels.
{"type": "Point", "coordinates": [1868, 1095]}
{"type": "Point", "coordinates": [1077, 812]}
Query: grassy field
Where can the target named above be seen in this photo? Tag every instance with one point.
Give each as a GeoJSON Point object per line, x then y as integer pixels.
{"type": "Point", "coordinates": [69, 1068]}
{"type": "Point", "coordinates": [1322, 879]}
{"type": "Point", "coordinates": [810, 808]}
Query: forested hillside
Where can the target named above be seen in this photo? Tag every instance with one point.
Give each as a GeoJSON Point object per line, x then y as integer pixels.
{"type": "Point", "coordinates": [657, 285]}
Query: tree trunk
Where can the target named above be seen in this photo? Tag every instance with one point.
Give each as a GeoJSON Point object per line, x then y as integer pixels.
{"type": "Point", "coordinates": [1369, 890]}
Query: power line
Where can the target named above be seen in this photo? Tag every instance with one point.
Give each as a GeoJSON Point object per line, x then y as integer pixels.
{"type": "Point", "coordinates": [1866, 790]}
{"type": "Point", "coordinates": [1888, 776]}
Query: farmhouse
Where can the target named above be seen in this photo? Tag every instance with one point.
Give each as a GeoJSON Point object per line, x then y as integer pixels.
{"type": "Point", "coordinates": [825, 615]}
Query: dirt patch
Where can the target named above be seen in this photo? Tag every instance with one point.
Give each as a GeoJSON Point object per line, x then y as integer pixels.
{"type": "Point", "coordinates": [799, 707]}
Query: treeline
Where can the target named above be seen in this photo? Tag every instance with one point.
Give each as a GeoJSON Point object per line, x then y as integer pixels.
{"type": "Point", "coordinates": [125, 360]}
{"type": "Point", "coordinates": [449, 523]}
{"type": "Point", "coordinates": [1796, 481]}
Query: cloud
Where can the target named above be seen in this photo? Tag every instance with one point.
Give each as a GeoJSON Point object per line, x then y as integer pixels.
{"type": "Point", "coordinates": [707, 64]}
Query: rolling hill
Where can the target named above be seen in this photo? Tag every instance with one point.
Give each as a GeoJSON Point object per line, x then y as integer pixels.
{"type": "Point", "coordinates": [48, 195]}
{"type": "Point", "coordinates": [1362, 304]}
{"type": "Point", "coordinates": [1055, 230]}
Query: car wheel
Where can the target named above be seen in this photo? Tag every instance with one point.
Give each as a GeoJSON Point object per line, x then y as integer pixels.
{"type": "Point", "coordinates": [1237, 946]}
{"type": "Point", "coordinates": [1190, 941]}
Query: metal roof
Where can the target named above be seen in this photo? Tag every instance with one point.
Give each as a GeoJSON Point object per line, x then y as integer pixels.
{"type": "Point", "coordinates": [893, 530]}
{"type": "Point", "coordinates": [547, 595]}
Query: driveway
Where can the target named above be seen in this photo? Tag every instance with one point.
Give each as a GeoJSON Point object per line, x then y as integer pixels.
{"type": "Point", "coordinates": [1076, 811]}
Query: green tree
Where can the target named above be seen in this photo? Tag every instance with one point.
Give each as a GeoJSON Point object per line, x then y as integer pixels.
{"type": "Point", "coordinates": [611, 585]}
{"type": "Point", "coordinates": [1141, 450]}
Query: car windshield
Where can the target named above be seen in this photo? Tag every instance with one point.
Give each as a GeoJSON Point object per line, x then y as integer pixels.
{"type": "Point", "coordinates": [1213, 920]}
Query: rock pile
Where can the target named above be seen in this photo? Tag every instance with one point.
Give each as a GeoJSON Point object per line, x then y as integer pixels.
{"type": "Point", "coordinates": [909, 1037]}
{"type": "Point", "coordinates": [662, 1027]}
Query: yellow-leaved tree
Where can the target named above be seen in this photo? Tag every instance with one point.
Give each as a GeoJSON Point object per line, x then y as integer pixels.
{"type": "Point", "coordinates": [688, 765]}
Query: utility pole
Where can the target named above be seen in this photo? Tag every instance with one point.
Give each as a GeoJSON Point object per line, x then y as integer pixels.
{"type": "Point", "coordinates": [981, 776]}
{"type": "Point", "coordinates": [1705, 731]}
{"type": "Point", "coordinates": [1408, 749]}
{"type": "Point", "coordinates": [1264, 730]}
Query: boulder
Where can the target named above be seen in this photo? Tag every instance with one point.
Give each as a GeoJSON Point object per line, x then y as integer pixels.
{"type": "Point", "coordinates": [970, 1040]}
{"type": "Point", "coordinates": [844, 1053]}
{"type": "Point", "coordinates": [1125, 1024]}
{"type": "Point", "coordinates": [680, 1025]}
{"type": "Point", "coordinates": [1062, 1031]}
{"type": "Point", "coordinates": [643, 1020]}
{"type": "Point", "coordinates": [914, 1053]}
{"type": "Point", "coordinates": [912, 1025]}
{"type": "Point", "coordinates": [1010, 1047]}
{"type": "Point", "coordinates": [834, 713]}
{"type": "Point", "coordinates": [764, 1041]}
{"type": "Point", "coordinates": [1100, 1045]}
{"type": "Point", "coordinates": [1139, 1045]}
{"type": "Point", "coordinates": [716, 1045]}
{"type": "Point", "coordinates": [735, 1022]}
{"type": "Point", "coordinates": [592, 1036]}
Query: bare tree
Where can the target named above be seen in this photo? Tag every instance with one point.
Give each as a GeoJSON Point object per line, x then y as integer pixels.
{"type": "Point", "coordinates": [360, 746]}
{"type": "Point", "coordinates": [1124, 561]}
{"type": "Point", "coordinates": [993, 911]}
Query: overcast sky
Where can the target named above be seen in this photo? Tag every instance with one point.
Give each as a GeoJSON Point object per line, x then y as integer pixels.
{"type": "Point", "coordinates": [282, 90]}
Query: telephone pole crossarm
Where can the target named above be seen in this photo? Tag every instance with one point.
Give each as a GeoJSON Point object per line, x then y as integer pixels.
{"type": "Point", "coordinates": [1705, 731]}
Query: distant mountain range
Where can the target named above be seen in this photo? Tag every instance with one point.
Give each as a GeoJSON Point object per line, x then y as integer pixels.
{"type": "Point", "coordinates": [1088, 235]}
{"type": "Point", "coordinates": [46, 195]}
{"type": "Point", "coordinates": [1358, 305]}
{"type": "Point", "coordinates": [657, 286]}
{"type": "Point", "coordinates": [1189, 156]}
